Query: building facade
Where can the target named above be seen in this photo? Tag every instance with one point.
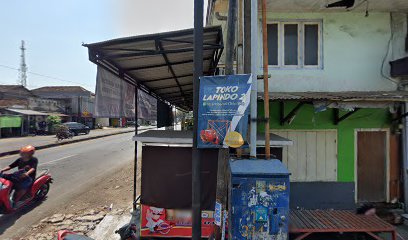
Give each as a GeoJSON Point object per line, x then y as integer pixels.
{"type": "Point", "coordinates": [332, 94]}
{"type": "Point", "coordinates": [18, 102]}
{"type": "Point", "coordinates": [79, 102]}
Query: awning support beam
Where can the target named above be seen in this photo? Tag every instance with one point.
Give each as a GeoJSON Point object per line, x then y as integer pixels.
{"type": "Point", "coordinates": [162, 65]}
{"type": "Point", "coordinates": [169, 78]}
{"type": "Point", "coordinates": [189, 42]}
{"type": "Point", "coordinates": [338, 119]}
{"type": "Point", "coordinates": [167, 87]}
{"type": "Point", "coordinates": [281, 112]}
{"type": "Point", "coordinates": [292, 113]}
{"type": "Point", "coordinates": [152, 53]}
{"type": "Point", "coordinates": [400, 117]}
{"type": "Point", "coordinates": [166, 59]}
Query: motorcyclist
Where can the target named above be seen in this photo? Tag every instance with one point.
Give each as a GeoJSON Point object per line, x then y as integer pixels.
{"type": "Point", "coordinates": [27, 166]}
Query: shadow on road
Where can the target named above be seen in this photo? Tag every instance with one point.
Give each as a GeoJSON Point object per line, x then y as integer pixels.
{"type": "Point", "coordinates": [8, 220]}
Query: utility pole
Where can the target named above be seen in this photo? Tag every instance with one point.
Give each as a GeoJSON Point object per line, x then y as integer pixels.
{"type": "Point", "coordinates": [266, 80]}
{"type": "Point", "coordinates": [230, 44]}
{"type": "Point", "coordinates": [197, 153]}
{"type": "Point", "coordinates": [22, 80]}
{"type": "Point", "coordinates": [253, 28]}
{"type": "Point", "coordinates": [223, 155]}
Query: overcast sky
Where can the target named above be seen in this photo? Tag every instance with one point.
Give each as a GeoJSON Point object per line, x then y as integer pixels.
{"type": "Point", "coordinates": [54, 31]}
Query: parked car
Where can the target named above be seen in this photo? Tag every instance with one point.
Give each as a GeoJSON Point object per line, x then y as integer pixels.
{"type": "Point", "coordinates": [131, 124]}
{"type": "Point", "coordinates": [77, 128]}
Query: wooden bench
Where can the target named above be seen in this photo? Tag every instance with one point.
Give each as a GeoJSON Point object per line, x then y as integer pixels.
{"type": "Point", "coordinates": [303, 223]}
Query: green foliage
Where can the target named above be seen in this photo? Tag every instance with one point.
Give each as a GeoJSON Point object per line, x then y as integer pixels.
{"type": "Point", "coordinates": [53, 120]}
{"type": "Point", "coordinates": [53, 123]}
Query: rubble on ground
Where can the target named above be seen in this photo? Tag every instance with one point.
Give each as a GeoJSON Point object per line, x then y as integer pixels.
{"type": "Point", "coordinates": [82, 223]}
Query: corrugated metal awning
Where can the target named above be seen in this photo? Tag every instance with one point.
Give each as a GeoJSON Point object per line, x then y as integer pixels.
{"type": "Point", "coordinates": [162, 63]}
{"type": "Point", "coordinates": [27, 112]}
{"type": "Point", "coordinates": [374, 96]}
{"type": "Point", "coordinates": [56, 114]}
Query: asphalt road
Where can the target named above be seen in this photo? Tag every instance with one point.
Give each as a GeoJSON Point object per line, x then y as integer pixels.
{"type": "Point", "coordinates": [10, 144]}
{"type": "Point", "coordinates": [75, 168]}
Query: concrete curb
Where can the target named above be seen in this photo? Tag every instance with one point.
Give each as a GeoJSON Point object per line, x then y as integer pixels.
{"type": "Point", "coordinates": [66, 142]}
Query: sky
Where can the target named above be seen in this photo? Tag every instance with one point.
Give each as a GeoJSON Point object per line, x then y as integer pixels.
{"type": "Point", "coordinates": [54, 31]}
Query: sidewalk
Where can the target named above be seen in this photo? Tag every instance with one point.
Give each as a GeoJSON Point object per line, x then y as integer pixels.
{"type": "Point", "coordinates": [12, 145]}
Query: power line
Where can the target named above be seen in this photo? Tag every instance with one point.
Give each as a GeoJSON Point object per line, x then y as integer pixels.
{"type": "Point", "coordinates": [45, 76]}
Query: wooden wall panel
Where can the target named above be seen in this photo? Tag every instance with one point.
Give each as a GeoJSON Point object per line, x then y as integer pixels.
{"type": "Point", "coordinates": [313, 155]}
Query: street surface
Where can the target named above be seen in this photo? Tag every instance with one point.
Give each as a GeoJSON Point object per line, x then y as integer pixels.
{"type": "Point", "coordinates": [75, 168]}
{"type": "Point", "coordinates": [9, 144]}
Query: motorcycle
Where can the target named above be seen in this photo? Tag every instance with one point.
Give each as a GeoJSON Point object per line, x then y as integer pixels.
{"type": "Point", "coordinates": [38, 191]}
{"type": "Point", "coordinates": [62, 132]}
{"type": "Point", "coordinates": [64, 135]}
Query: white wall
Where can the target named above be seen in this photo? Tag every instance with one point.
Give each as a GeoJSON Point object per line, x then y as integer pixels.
{"type": "Point", "coordinates": [354, 47]}
{"type": "Point", "coordinates": [104, 122]}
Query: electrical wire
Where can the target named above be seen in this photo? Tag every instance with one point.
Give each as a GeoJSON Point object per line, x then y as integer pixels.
{"type": "Point", "coordinates": [387, 54]}
{"type": "Point", "coordinates": [45, 76]}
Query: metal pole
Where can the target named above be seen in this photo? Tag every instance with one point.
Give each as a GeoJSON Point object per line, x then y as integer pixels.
{"type": "Point", "coordinates": [135, 157]}
{"type": "Point", "coordinates": [240, 39]}
{"type": "Point", "coordinates": [266, 80]}
{"type": "Point", "coordinates": [254, 70]}
{"type": "Point", "coordinates": [196, 153]}
{"type": "Point", "coordinates": [230, 45]}
{"type": "Point", "coordinates": [405, 157]}
{"type": "Point", "coordinates": [247, 36]}
{"type": "Point", "coordinates": [79, 108]}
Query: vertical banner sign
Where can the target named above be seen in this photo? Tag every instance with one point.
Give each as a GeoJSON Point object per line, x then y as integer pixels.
{"type": "Point", "coordinates": [223, 110]}
{"type": "Point", "coordinates": [114, 97]}
{"type": "Point", "coordinates": [146, 106]}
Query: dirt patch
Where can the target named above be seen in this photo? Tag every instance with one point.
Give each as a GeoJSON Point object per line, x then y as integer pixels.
{"type": "Point", "coordinates": [116, 190]}
{"type": "Point", "coordinates": [112, 195]}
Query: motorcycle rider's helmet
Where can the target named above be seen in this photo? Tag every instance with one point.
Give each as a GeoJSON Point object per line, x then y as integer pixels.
{"type": "Point", "coordinates": [27, 149]}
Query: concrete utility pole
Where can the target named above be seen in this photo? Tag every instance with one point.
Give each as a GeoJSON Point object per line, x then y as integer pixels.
{"type": "Point", "coordinates": [223, 156]}
{"type": "Point", "coordinates": [22, 80]}
{"type": "Point", "coordinates": [230, 44]}
{"type": "Point", "coordinates": [266, 80]}
{"type": "Point", "coordinates": [254, 70]}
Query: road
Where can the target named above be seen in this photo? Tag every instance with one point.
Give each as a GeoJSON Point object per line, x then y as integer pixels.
{"type": "Point", "coordinates": [75, 168]}
{"type": "Point", "coordinates": [9, 144]}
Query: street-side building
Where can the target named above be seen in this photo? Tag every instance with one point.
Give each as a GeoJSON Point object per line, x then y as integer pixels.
{"type": "Point", "coordinates": [79, 102]}
{"type": "Point", "coordinates": [20, 105]}
{"type": "Point", "coordinates": [332, 93]}
{"type": "Point", "coordinates": [17, 96]}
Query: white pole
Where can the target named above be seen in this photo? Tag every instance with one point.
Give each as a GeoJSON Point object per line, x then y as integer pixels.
{"type": "Point", "coordinates": [254, 70]}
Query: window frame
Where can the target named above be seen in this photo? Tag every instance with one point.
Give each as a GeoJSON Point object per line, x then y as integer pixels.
{"type": "Point", "coordinates": [301, 43]}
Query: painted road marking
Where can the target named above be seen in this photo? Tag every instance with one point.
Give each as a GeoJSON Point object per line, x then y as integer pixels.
{"type": "Point", "coordinates": [56, 160]}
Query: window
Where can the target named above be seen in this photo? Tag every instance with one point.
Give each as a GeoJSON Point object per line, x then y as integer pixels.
{"type": "Point", "coordinates": [295, 44]}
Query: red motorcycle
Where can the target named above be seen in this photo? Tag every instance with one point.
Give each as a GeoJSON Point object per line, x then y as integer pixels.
{"type": "Point", "coordinates": [38, 191]}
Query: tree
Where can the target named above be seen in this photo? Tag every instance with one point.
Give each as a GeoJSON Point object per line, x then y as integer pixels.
{"type": "Point", "coordinates": [53, 122]}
